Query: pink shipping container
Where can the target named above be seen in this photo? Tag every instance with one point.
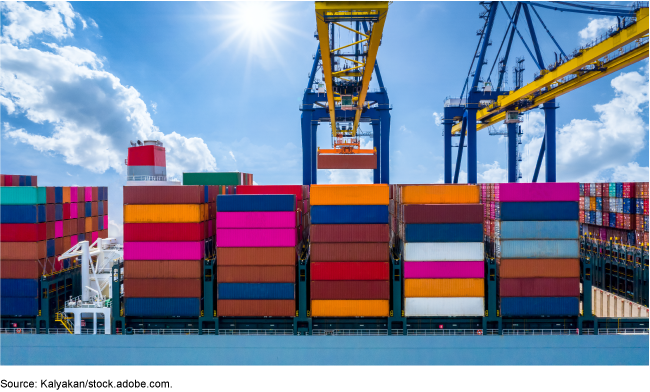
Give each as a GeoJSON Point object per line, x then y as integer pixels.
{"type": "Point", "coordinates": [58, 229]}
{"type": "Point", "coordinates": [94, 235]}
{"type": "Point", "coordinates": [73, 240]}
{"type": "Point", "coordinates": [164, 250]}
{"type": "Point", "coordinates": [73, 194]}
{"type": "Point", "coordinates": [88, 194]}
{"type": "Point", "coordinates": [105, 221]}
{"type": "Point", "coordinates": [256, 238]}
{"type": "Point", "coordinates": [73, 211]}
{"type": "Point", "coordinates": [568, 191]}
{"type": "Point", "coordinates": [256, 220]}
{"type": "Point", "coordinates": [444, 270]}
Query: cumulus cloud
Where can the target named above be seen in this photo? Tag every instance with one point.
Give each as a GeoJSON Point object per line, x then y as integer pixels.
{"type": "Point", "coordinates": [91, 113]}
{"type": "Point", "coordinates": [595, 28]}
{"type": "Point", "coordinates": [115, 230]}
{"type": "Point", "coordinates": [404, 129]}
{"type": "Point", "coordinates": [437, 119]}
{"type": "Point", "coordinates": [492, 173]}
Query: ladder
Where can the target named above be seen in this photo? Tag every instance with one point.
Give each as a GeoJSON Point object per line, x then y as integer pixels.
{"type": "Point", "coordinates": [63, 319]}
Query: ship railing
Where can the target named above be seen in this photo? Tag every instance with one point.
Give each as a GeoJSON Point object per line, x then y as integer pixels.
{"type": "Point", "coordinates": [350, 332]}
{"type": "Point", "coordinates": [257, 332]}
{"type": "Point", "coordinates": [587, 331]}
{"type": "Point", "coordinates": [170, 331]}
{"type": "Point", "coordinates": [84, 331]}
{"type": "Point", "coordinates": [573, 331]}
{"type": "Point", "coordinates": [490, 332]}
{"type": "Point", "coordinates": [18, 331]}
{"type": "Point", "coordinates": [444, 332]}
{"type": "Point", "coordinates": [208, 331]}
{"type": "Point", "coordinates": [396, 332]}
{"type": "Point", "coordinates": [623, 331]}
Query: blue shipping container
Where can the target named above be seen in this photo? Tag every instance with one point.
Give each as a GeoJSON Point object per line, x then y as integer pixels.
{"type": "Point", "coordinates": [539, 230]}
{"type": "Point", "coordinates": [599, 204]}
{"type": "Point", "coordinates": [51, 250]}
{"type": "Point", "coordinates": [539, 211]}
{"type": "Point", "coordinates": [592, 217]}
{"type": "Point", "coordinates": [349, 214]}
{"type": "Point", "coordinates": [100, 209]}
{"type": "Point", "coordinates": [14, 288]}
{"type": "Point", "coordinates": [100, 223]}
{"type": "Point", "coordinates": [540, 306]}
{"type": "Point", "coordinates": [162, 307]}
{"type": "Point", "coordinates": [206, 194]}
{"type": "Point", "coordinates": [628, 206]}
{"type": "Point", "coordinates": [105, 193]}
{"type": "Point", "coordinates": [228, 203]}
{"type": "Point", "coordinates": [42, 213]}
{"type": "Point", "coordinates": [19, 214]}
{"type": "Point", "coordinates": [612, 219]}
{"type": "Point", "coordinates": [256, 290]}
{"type": "Point", "coordinates": [540, 249]}
{"type": "Point", "coordinates": [619, 189]}
{"type": "Point", "coordinates": [19, 306]}
{"type": "Point", "coordinates": [28, 180]}
{"type": "Point", "coordinates": [80, 237]}
{"type": "Point", "coordinates": [21, 180]}
{"type": "Point", "coordinates": [58, 194]}
{"type": "Point", "coordinates": [58, 212]}
{"type": "Point", "coordinates": [88, 209]}
{"type": "Point", "coordinates": [443, 232]}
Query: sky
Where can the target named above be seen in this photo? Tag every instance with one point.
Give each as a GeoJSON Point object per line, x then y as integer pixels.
{"type": "Point", "coordinates": [220, 85]}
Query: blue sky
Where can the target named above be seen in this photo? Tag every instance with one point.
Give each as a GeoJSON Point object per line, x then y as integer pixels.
{"type": "Point", "coordinates": [80, 80]}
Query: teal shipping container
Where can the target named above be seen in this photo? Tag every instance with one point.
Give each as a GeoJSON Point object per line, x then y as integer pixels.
{"type": "Point", "coordinates": [538, 249]}
{"type": "Point", "coordinates": [537, 230]}
{"type": "Point", "coordinates": [23, 195]}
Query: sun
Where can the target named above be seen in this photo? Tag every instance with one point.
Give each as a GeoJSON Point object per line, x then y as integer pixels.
{"type": "Point", "coordinates": [255, 17]}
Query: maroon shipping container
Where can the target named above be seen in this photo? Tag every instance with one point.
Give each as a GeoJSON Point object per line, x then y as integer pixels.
{"type": "Point", "coordinates": [152, 269]}
{"type": "Point", "coordinates": [349, 233]}
{"type": "Point", "coordinates": [349, 271]}
{"type": "Point", "coordinates": [369, 289]}
{"type": "Point", "coordinates": [50, 212]}
{"type": "Point", "coordinates": [67, 230]}
{"type": "Point", "coordinates": [66, 211]}
{"type": "Point", "coordinates": [187, 194]}
{"type": "Point", "coordinates": [441, 213]}
{"type": "Point", "coordinates": [94, 194]}
{"type": "Point", "coordinates": [256, 256]}
{"type": "Point", "coordinates": [2, 180]}
{"type": "Point", "coordinates": [164, 232]}
{"type": "Point", "coordinates": [540, 287]}
{"type": "Point", "coordinates": [58, 246]}
{"type": "Point", "coordinates": [95, 223]}
{"type": "Point", "coordinates": [50, 230]}
{"type": "Point", "coordinates": [34, 181]}
{"type": "Point", "coordinates": [23, 250]}
{"type": "Point", "coordinates": [371, 251]}
{"type": "Point", "coordinates": [23, 232]}
{"type": "Point", "coordinates": [256, 274]}
{"type": "Point", "coordinates": [94, 209]}
{"type": "Point", "coordinates": [81, 195]}
{"type": "Point", "coordinates": [347, 161]}
{"type": "Point", "coordinates": [66, 244]}
{"type": "Point", "coordinates": [103, 233]}
{"type": "Point", "coordinates": [81, 226]}
{"type": "Point", "coordinates": [81, 210]}
{"type": "Point", "coordinates": [49, 194]}
{"type": "Point", "coordinates": [162, 288]}
{"type": "Point", "coordinates": [21, 269]}
{"type": "Point", "coordinates": [256, 308]}
{"type": "Point", "coordinates": [105, 207]}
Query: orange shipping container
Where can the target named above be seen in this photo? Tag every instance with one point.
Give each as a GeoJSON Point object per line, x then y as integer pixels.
{"type": "Point", "coordinates": [338, 195]}
{"type": "Point", "coordinates": [89, 224]}
{"type": "Point", "coordinates": [539, 268]}
{"type": "Point", "coordinates": [66, 194]}
{"type": "Point", "coordinates": [23, 250]}
{"type": "Point", "coordinates": [256, 256]}
{"type": "Point", "coordinates": [349, 308]}
{"type": "Point", "coordinates": [256, 308]}
{"type": "Point", "coordinates": [439, 194]}
{"type": "Point", "coordinates": [443, 288]}
{"type": "Point", "coordinates": [165, 213]}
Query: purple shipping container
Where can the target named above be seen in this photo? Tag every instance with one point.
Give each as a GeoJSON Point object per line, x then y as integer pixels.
{"type": "Point", "coordinates": [444, 270]}
{"type": "Point", "coordinates": [256, 238]}
{"type": "Point", "coordinates": [256, 220]}
{"type": "Point", "coordinates": [88, 194]}
{"type": "Point", "coordinates": [567, 191]}
{"type": "Point", "coordinates": [58, 229]}
{"type": "Point", "coordinates": [164, 250]}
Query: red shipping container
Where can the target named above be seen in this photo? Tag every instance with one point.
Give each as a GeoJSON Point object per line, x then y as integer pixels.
{"type": "Point", "coordinates": [349, 233]}
{"type": "Point", "coordinates": [21, 269]}
{"type": "Point", "coordinates": [645, 206]}
{"type": "Point", "coordinates": [146, 156]}
{"type": "Point", "coordinates": [49, 194]}
{"type": "Point", "coordinates": [66, 228]}
{"type": "Point", "coordinates": [105, 207]}
{"type": "Point", "coordinates": [81, 210]}
{"type": "Point", "coordinates": [2, 180]}
{"type": "Point", "coordinates": [66, 211]}
{"type": "Point", "coordinates": [164, 232]}
{"type": "Point", "coordinates": [256, 256]}
{"type": "Point", "coordinates": [629, 221]}
{"type": "Point", "coordinates": [58, 246]}
{"type": "Point", "coordinates": [587, 190]}
{"type": "Point", "coordinates": [606, 219]}
{"type": "Point", "coordinates": [94, 209]}
{"type": "Point", "coordinates": [8, 180]}
{"type": "Point", "coordinates": [349, 271]}
{"type": "Point", "coordinates": [346, 161]}
{"type": "Point", "coordinates": [628, 189]}
{"type": "Point", "coordinates": [187, 194]}
{"type": "Point", "coordinates": [582, 217]}
{"type": "Point", "coordinates": [256, 274]}
{"type": "Point", "coordinates": [605, 204]}
{"type": "Point", "coordinates": [66, 244]}
{"type": "Point", "coordinates": [103, 233]}
{"type": "Point", "coordinates": [162, 288]}
{"type": "Point", "coordinates": [15, 180]}
{"type": "Point", "coordinates": [599, 190]}
{"type": "Point", "coordinates": [256, 308]}
{"type": "Point", "coordinates": [81, 226]}
{"type": "Point", "coordinates": [81, 194]}
{"type": "Point", "coordinates": [95, 194]}
{"type": "Point", "coordinates": [367, 252]}
{"type": "Point", "coordinates": [50, 230]}
{"type": "Point", "coordinates": [619, 220]}
{"type": "Point", "coordinates": [23, 250]}
{"type": "Point", "coordinates": [95, 223]}
{"type": "Point", "coordinates": [23, 232]}
{"type": "Point", "coordinates": [540, 287]}
{"type": "Point", "coordinates": [368, 289]}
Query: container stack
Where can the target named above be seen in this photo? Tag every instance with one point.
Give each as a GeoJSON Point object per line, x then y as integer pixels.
{"type": "Point", "coordinates": [349, 250]}
{"type": "Point", "coordinates": [165, 231]}
{"type": "Point", "coordinates": [256, 255]}
{"type": "Point", "coordinates": [535, 244]}
{"type": "Point", "coordinates": [218, 178]}
{"type": "Point", "coordinates": [17, 180]}
{"type": "Point", "coordinates": [441, 227]}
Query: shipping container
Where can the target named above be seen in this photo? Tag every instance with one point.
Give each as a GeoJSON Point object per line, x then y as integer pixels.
{"type": "Point", "coordinates": [538, 211]}
{"type": "Point", "coordinates": [346, 195]}
{"type": "Point", "coordinates": [256, 274]}
{"type": "Point", "coordinates": [162, 307]}
{"type": "Point", "coordinates": [164, 195]}
{"type": "Point", "coordinates": [539, 287]}
{"type": "Point", "coordinates": [347, 161]}
{"type": "Point", "coordinates": [23, 232]}
{"type": "Point", "coordinates": [21, 269]}
{"type": "Point", "coordinates": [518, 192]}
{"type": "Point", "coordinates": [23, 250]}
{"type": "Point", "coordinates": [443, 288]}
{"type": "Point", "coordinates": [22, 214]}
{"type": "Point", "coordinates": [352, 214]}
{"type": "Point", "coordinates": [163, 269]}
{"type": "Point", "coordinates": [445, 251]}
{"type": "Point", "coordinates": [239, 238]}
{"type": "Point", "coordinates": [444, 269]}
{"type": "Point", "coordinates": [222, 178]}
{"type": "Point", "coordinates": [444, 307]}
{"type": "Point", "coordinates": [257, 220]}
{"type": "Point", "coordinates": [23, 195]}
{"type": "Point", "coordinates": [439, 194]}
{"type": "Point", "coordinates": [234, 203]}
{"type": "Point", "coordinates": [443, 232]}
{"type": "Point", "coordinates": [366, 252]}
{"type": "Point", "coordinates": [256, 256]}
{"type": "Point", "coordinates": [360, 289]}
{"type": "Point", "coordinates": [164, 250]}
{"type": "Point", "coordinates": [162, 288]}
{"type": "Point", "coordinates": [349, 308]}
{"type": "Point", "coordinates": [271, 190]}
{"type": "Point", "coordinates": [540, 306]}
{"type": "Point", "coordinates": [539, 230]}
{"type": "Point", "coordinates": [256, 291]}
{"type": "Point", "coordinates": [350, 270]}
{"type": "Point", "coordinates": [164, 232]}
{"type": "Point", "coordinates": [15, 288]}
{"type": "Point", "coordinates": [25, 307]}
{"type": "Point", "coordinates": [538, 249]}
{"type": "Point", "coordinates": [146, 156]}
{"type": "Point", "coordinates": [349, 233]}
{"type": "Point", "coordinates": [165, 213]}
{"type": "Point", "coordinates": [539, 268]}
{"type": "Point", "coordinates": [256, 308]}
{"type": "Point", "coordinates": [442, 213]}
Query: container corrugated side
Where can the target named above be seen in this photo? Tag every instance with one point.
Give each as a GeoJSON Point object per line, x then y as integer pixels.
{"type": "Point", "coordinates": [256, 274]}
{"type": "Point", "coordinates": [271, 190]}
{"type": "Point", "coordinates": [23, 232]}
{"type": "Point", "coordinates": [23, 195]}
{"type": "Point", "coordinates": [539, 287]}
{"type": "Point", "coordinates": [538, 249]}
{"type": "Point", "coordinates": [359, 289]}
{"type": "Point", "coordinates": [256, 308]}
{"type": "Point", "coordinates": [441, 213]}
{"type": "Point", "coordinates": [558, 191]}
{"type": "Point", "coordinates": [23, 250]}
{"type": "Point", "coordinates": [21, 269]}
{"type": "Point", "coordinates": [235, 203]}
{"type": "Point", "coordinates": [538, 211]}
{"type": "Point", "coordinates": [164, 232]}
{"type": "Point", "coordinates": [540, 306]}
{"type": "Point", "coordinates": [432, 307]}
{"type": "Point", "coordinates": [443, 288]}
{"type": "Point", "coordinates": [443, 251]}
{"type": "Point", "coordinates": [349, 308]}
{"type": "Point", "coordinates": [349, 233]}
{"type": "Point", "coordinates": [443, 232]}
{"type": "Point", "coordinates": [372, 194]}
{"type": "Point", "coordinates": [164, 195]}
{"type": "Point", "coordinates": [256, 256]}
{"type": "Point", "coordinates": [151, 269]}
{"type": "Point", "coordinates": [20, 214]}
{"type": "Point", "coordinates": [241, 238]}
{"type": "Point", "coordinates": [368, 251]}
{"type": "Point", "coordinates": [375, 214]}
{"type": "Point", "coordinates": [444, 269]}
{"type": "Point", "coordinates": [162, 307]}
{"type": "Point", "coordinates": [164, 250]}
{"type": "Point", "coordinates": [539, 268]}
{"type": "Point", "coordinates": [223, 178]}
{"type": "Point", "coordinates": [257, 220]}
{"type": "Point", "coordinates": [346, 161]}
{"type": "Point", "coordinates": [164, 213]}
{"type": "Point", "coordinates": [439, 194]}
{"type": "Point", "coordinates": [15, 288]}
{"type": "Point", "coordinates": [162, 288]}
{"type": "Point", "coordinates": [18, 306]}
{"type": "Point", "coordinates": [539, 230]}
{"type": "Point", "coordinates": [364, 270]}
{"type": "Point", "coordinates": [256, 291]}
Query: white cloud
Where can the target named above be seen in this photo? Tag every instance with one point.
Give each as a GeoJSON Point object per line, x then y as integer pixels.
{"type": "Point", "coordinates": [404, 129]}
{"type": "Point", "coordinates": [437, 119]}
{"type": "Point", "coordinates": [115, 230]}
{"type": "Point", "coordinates": [631, 173]}
{"type": "Point", "coordinates": [93, 23]}
{"type": "Point", "coordinates": [595, 28]}
{"type": "Point", "coordinates": [92, 114]}
{"type": "Point", "coordinates": [232, 156]}
{"type": "Point", "coordinates": [492, 173]}
{"type": "Point", "coordinates": [154, 107]}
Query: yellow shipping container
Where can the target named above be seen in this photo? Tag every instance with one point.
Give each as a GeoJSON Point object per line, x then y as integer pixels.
{"type": "Point", "coordinates": [349, 308]}
{"type": "Point", "coordinates": [341, 195]}
{"type": "Point", "coordinates": [165, 213]}
{"type": "Point", "coordinates": [443, 288]}
{"type": "Point", "coordinates": [89, 224]}
{"type": "Point", "coordinates": [439, 194]}
{"type": "Point", "coordinates": [592, 204]}
{"type": "Point", "coordinates": [66, 194]}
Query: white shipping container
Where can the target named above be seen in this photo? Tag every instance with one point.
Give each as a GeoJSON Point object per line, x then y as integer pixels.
{"type": "Point", "coordinates": [468, 306]}
{"type": "Point", "coordinates": [443, 251]}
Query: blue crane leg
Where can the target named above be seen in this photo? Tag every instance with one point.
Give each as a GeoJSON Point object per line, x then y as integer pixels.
{"type": "Point", "coordinates": [376, 143]}
{"type": "Point", "coordinates": [314, 142]}
{"type": "Point", "coordinates": [512, 152]}
{"type": "Point", "coordinates": [305, 125]}
{"type": "Point", "coordinates": [385, 147]}
{"type": "Point", "coordinates": [472, 161]}
{"type": "Point", "coordinates": [549, 120]}
{"type": "Point", "coordinates": [447, 123]}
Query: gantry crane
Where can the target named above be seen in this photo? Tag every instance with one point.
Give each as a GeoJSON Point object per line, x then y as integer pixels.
{"type": "Point", "coordinates": [480, 107]}
{"type": "Point", "coordinates": [343, 98]}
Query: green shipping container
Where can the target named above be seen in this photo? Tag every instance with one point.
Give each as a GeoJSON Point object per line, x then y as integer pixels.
{"type": "Point", "coordinates": [22, 195]}
{"type": "Point", "coordinates": [221, 178]}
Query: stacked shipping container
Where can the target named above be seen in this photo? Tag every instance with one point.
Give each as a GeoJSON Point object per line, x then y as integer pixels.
{"type": "Point", "coordinates": [256, 254]}
{"type": "Point", "coordinates": [165, 232]}
{"type": "Point", "coordinates": [349, 248]}
{"type": "Point", "coordinates": [441, 227]}
{"type": "Point", "coordinates": [218, 178]}
{"type": "Point", "coordinates": [17, 180]}
{"type": "Point", "coordinates": [535, 243]}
